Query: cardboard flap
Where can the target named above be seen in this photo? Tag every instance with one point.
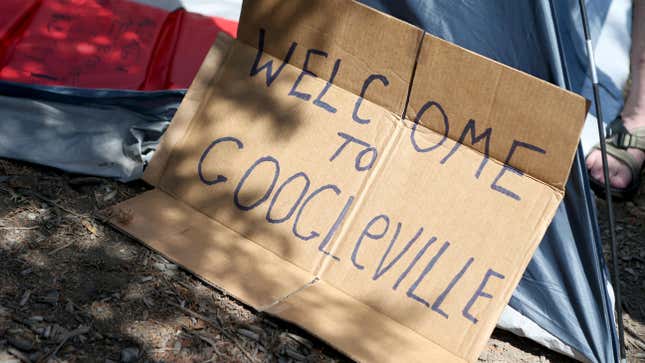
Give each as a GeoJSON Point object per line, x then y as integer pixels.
{"type": "Point", "coordinates": [353, 327]}
{"type": "Point", "coordinates": [367, 43]}
{"type": "Point", "coordinates": [533, 125]}
{"type": "Point", "coordinates": [214, 252]}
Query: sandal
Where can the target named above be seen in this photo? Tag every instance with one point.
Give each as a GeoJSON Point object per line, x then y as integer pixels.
{"type": "Point", "coordinates": [618, 141]}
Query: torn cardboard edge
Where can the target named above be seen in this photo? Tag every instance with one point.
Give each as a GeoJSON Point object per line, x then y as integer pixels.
{"type": "Point", "coordinates": [178, 225]}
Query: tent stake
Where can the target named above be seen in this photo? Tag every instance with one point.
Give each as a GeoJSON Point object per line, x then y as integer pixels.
{"type": "Point", "coordinates": [605, 170]}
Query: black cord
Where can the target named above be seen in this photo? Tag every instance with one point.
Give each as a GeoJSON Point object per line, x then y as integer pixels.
{"type": "Point", "coordinates": [605, 170]}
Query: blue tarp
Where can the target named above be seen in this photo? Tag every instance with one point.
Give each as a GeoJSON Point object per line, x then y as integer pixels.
{"type": "Point", "coordinates": [564, 290]}
{"type": "Point", "coordinates": [110, 133]}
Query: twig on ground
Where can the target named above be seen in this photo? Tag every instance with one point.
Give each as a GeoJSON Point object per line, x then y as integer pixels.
{"type": "Point", "coordinates": [212, 344]}
{"type": "Point", "coordinates": [24, 298]}
{"type": "Point", "coordinates": [85, 218]}
{"type": "Point", "coordinates": [18, 228]}
{"type": "Point", "coordinates": [60, 248]}
{"type": "Point", "coordinates": [54, 203]}
{"type": "Point", "coordinates": [634, 333]}
{"type": "Point", "coordinates": [78, 331]}
{"type": "Point", "coordinates": [15, 193]}
{"type": "Point", "coordinates": [9, 191]}
{"type": "Point", "coordinates": [86, 180]}
{"type": "Point", "coordinates": [216, 325]}
{"type": "Point", "coordinates": [18, 354]}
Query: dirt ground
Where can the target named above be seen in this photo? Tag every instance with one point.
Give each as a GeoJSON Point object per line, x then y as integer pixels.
{"type": "Point", "coordinates": [75, 290]}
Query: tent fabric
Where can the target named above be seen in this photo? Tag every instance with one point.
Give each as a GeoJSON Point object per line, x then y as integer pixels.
{"type": "Point", "coordinates": [513, 321]}
{"type": "Point", "coordinates": [103, 44]}
{"type": "Point", "coordinates": [564, 290]}
{"type": "Point", "coordinates": [226, 9]}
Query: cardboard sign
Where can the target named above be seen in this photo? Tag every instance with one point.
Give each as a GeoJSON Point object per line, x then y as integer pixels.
{"type": "Point", "coordinates": [294, 177]}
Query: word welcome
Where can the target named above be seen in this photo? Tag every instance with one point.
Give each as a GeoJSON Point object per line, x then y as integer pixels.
{"type": "Point", "coordinates": [370, 152]}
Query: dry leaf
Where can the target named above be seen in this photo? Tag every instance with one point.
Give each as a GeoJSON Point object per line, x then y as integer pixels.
{"type": "Point", "coordinates": [89, 226]}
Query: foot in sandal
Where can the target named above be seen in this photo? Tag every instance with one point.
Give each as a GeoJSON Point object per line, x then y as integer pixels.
{"type": "Point", "coordinates": [625, 159]}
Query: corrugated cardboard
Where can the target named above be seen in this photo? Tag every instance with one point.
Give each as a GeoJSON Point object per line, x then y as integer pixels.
{"type": "Point", "coordinates": [393, 238]}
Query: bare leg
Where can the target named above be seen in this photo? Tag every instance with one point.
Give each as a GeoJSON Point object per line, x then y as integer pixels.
{"type": "Point", "coordinates": [634, 111]}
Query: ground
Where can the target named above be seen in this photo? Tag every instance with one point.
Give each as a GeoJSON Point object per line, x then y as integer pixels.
{"type": "Point", "coordinates": [73, 289]}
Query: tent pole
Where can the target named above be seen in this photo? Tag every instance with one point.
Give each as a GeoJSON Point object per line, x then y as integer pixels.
{"type": "Point", "coordinates": [605, 170]}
